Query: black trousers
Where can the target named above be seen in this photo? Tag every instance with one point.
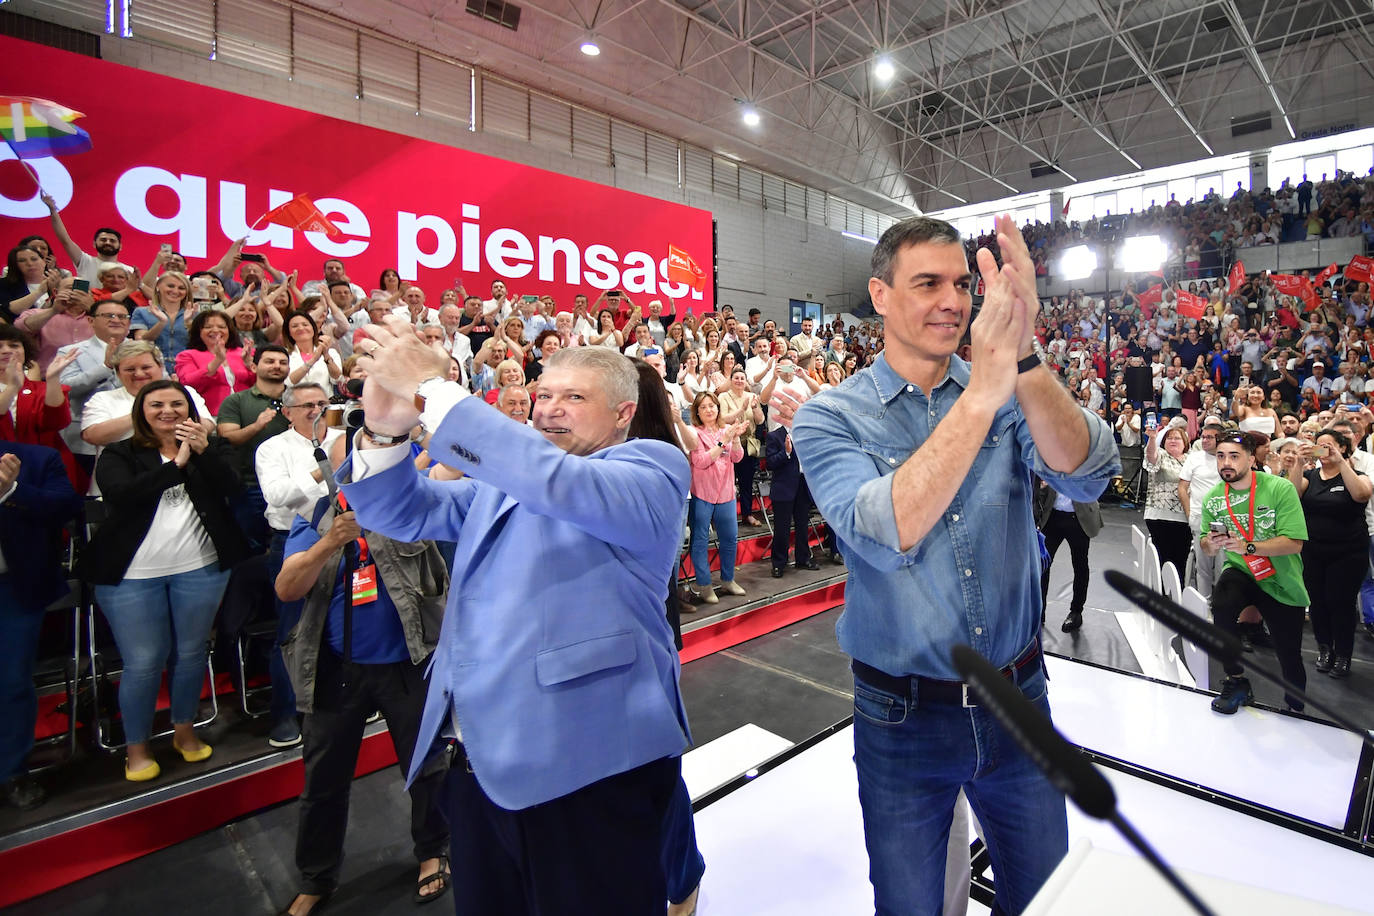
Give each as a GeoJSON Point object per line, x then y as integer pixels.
{"type": "Point", "coordinates": [345, 695]}
{"type": "Point", "coordinates": [1232, 592]}
{"type": "Point", "coordinates": [745, 469]}
{"type": "Point", "coordinates": [1333, 578]}
{"type": "Point", "coordinates": [592, 852]}
{"type": "Point", "coordinates": [1173, 540]}
{"type": "Point", "coordinates": [1061, 527]}
{"type": "Point", "coordinates": [793, 515]}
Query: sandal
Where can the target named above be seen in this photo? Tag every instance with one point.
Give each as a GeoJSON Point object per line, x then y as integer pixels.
{"type": "Point", "coordinates": [442, 876]}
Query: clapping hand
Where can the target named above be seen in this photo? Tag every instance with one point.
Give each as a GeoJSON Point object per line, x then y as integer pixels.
{"type": "Point", "coordinates": [397, 362]}
{"type": "Point", "coordinates": [9, 472]}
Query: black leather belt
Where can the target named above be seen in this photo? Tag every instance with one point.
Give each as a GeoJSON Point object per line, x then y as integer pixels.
{"type": "Point", "coordinates": [935, 690]}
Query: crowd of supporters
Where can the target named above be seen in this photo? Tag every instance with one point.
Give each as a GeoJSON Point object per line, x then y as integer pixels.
{"type": "Point", "coordinates": [192, 400]}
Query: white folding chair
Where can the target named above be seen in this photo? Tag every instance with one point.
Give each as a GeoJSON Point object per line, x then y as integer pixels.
{"type": "Point", "coordinates": [1193, 657]}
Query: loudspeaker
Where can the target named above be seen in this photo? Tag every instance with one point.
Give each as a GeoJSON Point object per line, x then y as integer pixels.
{"type": "Point", "coordinates": [1139, 384]}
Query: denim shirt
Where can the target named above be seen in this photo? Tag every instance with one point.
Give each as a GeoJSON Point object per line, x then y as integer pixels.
{"type": "Point", "coordinates": [975, 577]}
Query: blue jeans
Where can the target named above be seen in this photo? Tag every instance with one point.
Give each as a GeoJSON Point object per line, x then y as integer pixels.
{"type": "Point", "coordinates": [912, 759]}
{"type": "Point", "coordinates": [288, 615]}
{"type": "Point", "coordinates": [722, 515]}
{"type": "Point", "coordinates": [153, 619]}
{"type": "Point", "coordinates": [20, 624]}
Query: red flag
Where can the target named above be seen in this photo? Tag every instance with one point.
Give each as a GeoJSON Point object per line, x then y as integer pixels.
{"type": "Point", "coordinates": [682, 269]}
{"type": "Point", "coordinates": [1151, 297]}
{"type": "Point", "coordinates": [1235, 278]}
{"type": "Point", "coordinates": [1326, 273]}
{"type": "Point", "coordinates": [1287, 284]}
{"type": "Point", "coordinates": [1191, 305]}
{"type": "Point", "coordinates": [301, 213]}
{"type": "Point", "coordinates": [1359, 269]}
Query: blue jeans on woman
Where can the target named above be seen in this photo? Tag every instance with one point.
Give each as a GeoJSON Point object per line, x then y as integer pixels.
{"type": "Point", "coordinates": [722, 515]}
{"type": "Point", "coordinates": [912, 759]}
{"type": "Point", "coordinates": [150, 619]}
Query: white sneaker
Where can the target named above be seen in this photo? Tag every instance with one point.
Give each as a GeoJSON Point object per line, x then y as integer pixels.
{"type": "Point", "coordinates": [706, 595]}
{"type": "Point", "coordinates": [731, 587]}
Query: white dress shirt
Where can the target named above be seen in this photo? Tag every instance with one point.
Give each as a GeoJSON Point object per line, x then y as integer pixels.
{"type": "Point", "coordinates": [285, 464]}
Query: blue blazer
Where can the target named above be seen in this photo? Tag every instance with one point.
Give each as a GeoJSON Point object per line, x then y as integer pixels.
{"type": "Point", "coordinates": [555, 655]}
{"type": "Point", "coordinates": [786, 469]}
{"type": "Point", "coordinates": [31, 523]}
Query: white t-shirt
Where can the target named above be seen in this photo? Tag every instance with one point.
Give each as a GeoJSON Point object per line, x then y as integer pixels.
{"type": "Point", "coordinates": [318, 373]}
{"type": "Point", "coordinates": [1200, 470]}
{"type": "Point", "coordinates": [176, 541]}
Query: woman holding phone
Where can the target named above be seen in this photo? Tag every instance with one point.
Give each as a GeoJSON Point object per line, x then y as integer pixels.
{"type": "Point", "coordinates": [1334, 557]}
{"type": "Point", "coordinates": [1165, 519]}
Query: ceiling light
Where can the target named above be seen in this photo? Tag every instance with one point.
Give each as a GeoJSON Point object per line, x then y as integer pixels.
{"type": "Point", "coordinates": [884, 70]}
{"type": "Point", "coordinates": [1077, 263]}
{"type": "Point", "coordinates": [590, 48]}
{"type": "Point", "coordinates": [1143, 254]}
{"type": "Point", "coordinates": [750, 117]}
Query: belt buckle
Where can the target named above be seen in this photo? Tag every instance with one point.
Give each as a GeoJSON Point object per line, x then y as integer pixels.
{"type": "Point", "coordinates": [967, 703]}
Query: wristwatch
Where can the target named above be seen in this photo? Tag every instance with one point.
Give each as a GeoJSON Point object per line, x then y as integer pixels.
{"type": "Point", "coordinates": [421, 394]}
{"type": "Point", "coordinates": [385, 440]}
{"type": "Point", "coordinates": [1027, 364]}
{"type": "Point", "coordinates": [1250, 548]}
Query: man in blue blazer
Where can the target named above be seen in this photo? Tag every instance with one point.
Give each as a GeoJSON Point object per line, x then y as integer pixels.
{"type": "Point", "coordinates": [555, 667]}
{"type": "Point", "coordinates": [36, 499]}
{"type": "Point", "coordinates": [791, 502]}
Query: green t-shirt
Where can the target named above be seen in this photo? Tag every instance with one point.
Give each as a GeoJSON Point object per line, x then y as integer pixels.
{"type": "Point", "coordinates": [1278, 513]}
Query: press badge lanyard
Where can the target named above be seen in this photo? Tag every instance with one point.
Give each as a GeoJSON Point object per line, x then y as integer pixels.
{"type": "Point", "coordinates": [362, 588]}
{"type": "Point", "coordinates": [1260, 567]}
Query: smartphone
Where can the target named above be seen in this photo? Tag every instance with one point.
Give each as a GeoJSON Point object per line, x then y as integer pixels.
{"type": "Point", "coordinates": [1319, 451]}
{"type": "Point", "coordinates": [529, 298]}
{"type": "Point", "coordinates": [200, 288]}
{"type": "Point", "coordinates": [1151, 421]}
{"type": "Point", "coordinates": [651, 351]}
{"type": "Point", "coordinates": [1218, 527]}
{"type": "Point", "coordinates": [614, 294]}
{"type": "Point", "coordinates": [1354, 408]}
{"type": "Point", "coordinates": [81, 286]}
{"type": "Point", "coordinates": [247, 256]}
{"type": "Point", "coordinates": [165, 249]}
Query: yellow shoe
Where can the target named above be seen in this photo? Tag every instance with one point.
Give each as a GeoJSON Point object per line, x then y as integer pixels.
{"type": "Point", "coordinates": [196, 756]}
{"type": "Point", "coordinates": [149, 772]}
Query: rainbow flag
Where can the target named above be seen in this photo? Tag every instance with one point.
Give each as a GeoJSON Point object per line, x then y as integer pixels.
{"type": "Point", "coordinates": [34, 128]}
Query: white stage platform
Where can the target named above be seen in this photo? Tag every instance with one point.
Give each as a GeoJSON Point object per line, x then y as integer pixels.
{"type": "Point", "coordinates": [791, 841]}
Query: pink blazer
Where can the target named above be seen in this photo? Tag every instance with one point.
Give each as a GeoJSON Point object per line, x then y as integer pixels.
{"type": "Point", "coordinates": [192, 366]}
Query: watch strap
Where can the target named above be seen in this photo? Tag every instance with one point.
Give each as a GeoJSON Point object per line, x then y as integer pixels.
{"type": "Point", "coordinates": [1027, 364]}
{"type": "Point", "coordinates": [385, 440]}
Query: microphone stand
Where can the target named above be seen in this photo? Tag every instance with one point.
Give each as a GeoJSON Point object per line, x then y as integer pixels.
{"type": "Point", "coordinates": [1147, 852]}
{"type": "Point", "coordinates": [1217, 643]}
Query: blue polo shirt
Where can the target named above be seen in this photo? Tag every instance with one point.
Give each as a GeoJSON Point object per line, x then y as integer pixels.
{"type": "Point", "coordinates": [378, 638]}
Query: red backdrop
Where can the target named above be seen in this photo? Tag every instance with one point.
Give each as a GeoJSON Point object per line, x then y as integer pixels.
{"type": "Point", "coordinates": [177, 162]}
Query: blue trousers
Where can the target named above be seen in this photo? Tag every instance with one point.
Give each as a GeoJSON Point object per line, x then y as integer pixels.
{"type": "Point", "coordinates": [722, 515]}
{"type": "Point", "coordinates": [152, 620]}
{"type": "Point", "coordinates": [20, 623]}
{"type": "Point", "coordinates": [912, 760]}
{"type": "Point", "coordinates": [1367, 589]}
{"type": "Point", "coordinates": [683, 865]}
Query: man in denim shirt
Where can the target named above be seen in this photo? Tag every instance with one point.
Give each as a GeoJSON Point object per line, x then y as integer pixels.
{"type": "Point", "coordinates": [923, 465]}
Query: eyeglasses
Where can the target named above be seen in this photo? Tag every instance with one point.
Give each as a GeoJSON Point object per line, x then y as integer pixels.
{"type": "Point", "coordinates": [311, 405]}
{"type": "Point", "coordinates": [114, 316]}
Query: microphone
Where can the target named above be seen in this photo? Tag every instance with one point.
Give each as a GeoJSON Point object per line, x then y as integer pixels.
{"type": "Point", "coordinates": [322, 460]}
{"type": "Point", "coordinates": [1067, 769]}
{"type": "Point", "coordinates": [1217, 643]}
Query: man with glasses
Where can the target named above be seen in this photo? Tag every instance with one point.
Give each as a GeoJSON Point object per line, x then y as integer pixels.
{"type": "Point", "coordinates": [1195, 480]}
{"type": "Point", "coordinates": [291, 482]}
{"type": "Point", "coordinates": [92, 370]}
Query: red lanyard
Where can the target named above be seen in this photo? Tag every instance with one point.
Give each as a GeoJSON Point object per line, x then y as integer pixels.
{"type": "Point", "coordinates": [362, 541]}
{"type": "Point", "coordinates": [1250, 533]}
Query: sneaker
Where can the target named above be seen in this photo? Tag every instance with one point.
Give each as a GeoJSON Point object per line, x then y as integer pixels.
{"type": "Point", "coordinates": [286, 733]}
{"type": "Point", "coordinates": [1235, 693]}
